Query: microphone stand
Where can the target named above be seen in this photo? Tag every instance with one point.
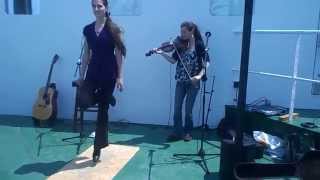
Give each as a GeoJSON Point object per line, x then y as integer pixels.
{"type": "Point", "coordinates": [79, 59]}
{"type": "Point", "coordinates": [206, 57]}
{"type": "Point", "coordinates": [201, 153]}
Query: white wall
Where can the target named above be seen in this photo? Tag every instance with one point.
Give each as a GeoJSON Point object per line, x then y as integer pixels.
{"type": "Point", "coordinates": [29, 43]}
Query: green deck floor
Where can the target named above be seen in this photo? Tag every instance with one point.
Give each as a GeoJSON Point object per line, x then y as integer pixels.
{"type": "Point", "coordinates": [35, 153]}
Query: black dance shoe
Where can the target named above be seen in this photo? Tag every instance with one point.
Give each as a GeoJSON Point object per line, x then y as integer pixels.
{"type": "Point", "coordinates": [96, 155]}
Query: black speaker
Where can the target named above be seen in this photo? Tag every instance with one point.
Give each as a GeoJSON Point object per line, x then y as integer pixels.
{"type": "Point", "coordinates": [231, 155]}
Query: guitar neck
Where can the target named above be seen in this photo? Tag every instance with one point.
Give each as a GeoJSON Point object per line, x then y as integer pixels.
{"type": "Point", "coordinates": [54, 60]}
{"type": "Point", "coordinates": [49, 79]}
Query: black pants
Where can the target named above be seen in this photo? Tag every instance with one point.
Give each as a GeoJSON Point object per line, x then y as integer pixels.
{"type": "Point", "coordinates": [100, 93]}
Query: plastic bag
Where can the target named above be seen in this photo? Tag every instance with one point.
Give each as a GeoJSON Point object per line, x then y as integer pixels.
{"type": "Point", "coordinates": [276, 147]}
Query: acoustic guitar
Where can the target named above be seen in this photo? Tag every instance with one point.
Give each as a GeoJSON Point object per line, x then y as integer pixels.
{"type": "Point", "coordinates": [45, 108]}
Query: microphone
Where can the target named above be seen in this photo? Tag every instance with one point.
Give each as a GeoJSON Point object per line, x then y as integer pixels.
{"type": "Point", "coordinates": [208, 34]}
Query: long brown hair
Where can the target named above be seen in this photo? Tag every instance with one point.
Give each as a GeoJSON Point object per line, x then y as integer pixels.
{"type": "Point", "coordinates": [200, 48]}
{"type": "Point", "coordinates": [115, 31]}
{"type": "Point", "coordinates": [192, 26]}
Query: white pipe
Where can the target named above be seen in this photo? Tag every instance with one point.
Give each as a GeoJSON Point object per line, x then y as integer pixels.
{"type": "Point", "coordinates": [296, 61]}
{"type": "Point", "coordinates": [281, 76]}
{"type": "Point", "coordinates": [283, 31]}
{"type": "Point", "coordinates": [295, 73]}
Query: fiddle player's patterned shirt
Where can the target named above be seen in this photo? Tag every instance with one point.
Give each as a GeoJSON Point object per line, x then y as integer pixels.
{"type": "Point", "coordinates": [190, 60]}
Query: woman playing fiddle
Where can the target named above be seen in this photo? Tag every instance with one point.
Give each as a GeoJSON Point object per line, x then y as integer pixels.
{"type": "Point", "coordinates": [189, 53]}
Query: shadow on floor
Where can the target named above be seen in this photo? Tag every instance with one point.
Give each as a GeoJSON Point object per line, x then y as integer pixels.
{"type": "Point", "coordinates": [46, 169]}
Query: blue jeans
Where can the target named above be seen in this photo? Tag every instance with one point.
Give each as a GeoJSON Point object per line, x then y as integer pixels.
{"type": "Point", "coordinates": [184, 89]}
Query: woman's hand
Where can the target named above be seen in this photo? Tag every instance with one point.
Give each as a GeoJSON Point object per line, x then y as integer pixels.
{"type": "Point", "coordinates": [158, 51]}
{"type": "Point", "coordinates": [79, 82]}
{"type": "Point", "coordinates": [119, 84]}
{"type": "Point", "coordinates": [195, 80]}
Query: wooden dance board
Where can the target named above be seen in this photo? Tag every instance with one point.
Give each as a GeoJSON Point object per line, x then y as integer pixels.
{"type": "Point", "coordinates": [113, 158]}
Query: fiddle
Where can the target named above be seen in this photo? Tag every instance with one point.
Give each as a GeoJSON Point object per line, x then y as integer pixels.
{"type": "Point", "coordinates": [178, 43]}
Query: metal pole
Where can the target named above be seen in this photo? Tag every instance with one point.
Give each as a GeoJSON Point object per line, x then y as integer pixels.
{"type": "Point", "coordinates": [245, 52]}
